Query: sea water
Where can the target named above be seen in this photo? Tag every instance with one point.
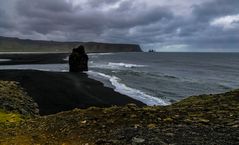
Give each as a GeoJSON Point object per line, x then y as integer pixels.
{"type": "Point", "coordinates": [159, 78]}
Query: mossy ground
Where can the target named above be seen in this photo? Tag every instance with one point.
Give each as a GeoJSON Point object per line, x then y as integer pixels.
{"type": "Point", "coordinates": [14, 99]}
{"type": "Point", "coordinates": [6, 117]}
{"type": "Point", "coordinates": [205, 119]}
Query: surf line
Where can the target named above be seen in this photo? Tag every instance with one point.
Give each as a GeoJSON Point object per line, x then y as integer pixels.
{"type": "Point", "coordinates": [131, 92]}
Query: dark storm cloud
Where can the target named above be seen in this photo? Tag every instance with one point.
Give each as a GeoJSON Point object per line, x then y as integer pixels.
{"type": "Point", "coordinates": [45, 17]}
{"type": "Point", "coordinates": [188, 26]}
{"type": "Point", "coordinates": [197, 33]}
{"type": "Point", "coordinates": [200, 32]}
{"type": "Point", "coordinates": [3, 18]}
{"type": "Point", "coordinates": [216, 8]}
{"type": "Point", "coordinates": [100, 3]}
{"type": "Point", "coordinates": [5, 23]}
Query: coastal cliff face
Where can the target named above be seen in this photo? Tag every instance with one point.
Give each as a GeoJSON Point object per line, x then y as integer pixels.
{"type": "Point", "coordinates": [110, 47]}
{"type": "Point", "coordinates": [205, 119]}
{"type": "Point", "coordinates": [17, 45]}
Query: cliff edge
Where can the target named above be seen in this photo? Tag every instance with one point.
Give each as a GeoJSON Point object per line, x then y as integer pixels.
{"type": "Point", "coordinates": [8, 44]}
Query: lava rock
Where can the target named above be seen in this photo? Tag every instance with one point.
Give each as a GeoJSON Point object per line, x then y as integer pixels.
{"type": "Point", "coordinates": [78, 60]}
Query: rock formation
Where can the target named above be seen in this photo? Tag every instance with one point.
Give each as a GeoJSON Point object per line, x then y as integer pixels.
{"type": "Point", "coordinates": [78, 60]}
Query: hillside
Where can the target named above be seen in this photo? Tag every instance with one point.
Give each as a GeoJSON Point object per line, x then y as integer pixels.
{"type": "Point", "coordinates": [8, 44]}
{"type": "Point", "coordinates": [205, 119]}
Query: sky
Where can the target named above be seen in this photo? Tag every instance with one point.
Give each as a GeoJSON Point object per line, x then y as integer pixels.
{"type": "Point", "coordinates": [163, 25]}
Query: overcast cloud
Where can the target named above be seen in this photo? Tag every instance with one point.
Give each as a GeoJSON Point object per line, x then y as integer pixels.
{"type": "Point", "coordinates": [165, 25]}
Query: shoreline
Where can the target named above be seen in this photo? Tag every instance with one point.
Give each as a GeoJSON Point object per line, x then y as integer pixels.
{"type": "Point", "coordinates": [61, 91]}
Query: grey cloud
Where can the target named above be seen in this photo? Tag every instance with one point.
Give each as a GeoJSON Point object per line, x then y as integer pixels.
{"type": "Point", "coordinates": [3, 19]}
{"type": "Point", "coordinates": [6, 23]}
{"type": "Point", "coordinates": [44, 21]}
{"type": "Point", "coordinates": [206, 36]}
{"type": "Point", "coordinates": [100, 3]}
{"type": "Point", "coordinates": [216, 8]}
{"type": "Point", "coordinates": [123, 21]}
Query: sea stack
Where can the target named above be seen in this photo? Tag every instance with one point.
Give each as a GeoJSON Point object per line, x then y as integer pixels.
{"type": "Point", "coordinates": [78, 60]}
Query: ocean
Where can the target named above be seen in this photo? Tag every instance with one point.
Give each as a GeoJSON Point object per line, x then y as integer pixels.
{"type": "Point", "coordinates": [158, 78]}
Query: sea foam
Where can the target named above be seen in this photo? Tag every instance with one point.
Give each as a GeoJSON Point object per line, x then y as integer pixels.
{"type": "Point", "coordinates": [100, 53]}
{"type": "Point", "coordinates": [66, 58]}
{"type": "Point", "coordinates": [127, 65]}
{"type": "Point", "coordinates": [114, 66]}
{"type": "Point", "coordinates": [3, 60]}
{"type": "Point", "coordinates": [131, 92]}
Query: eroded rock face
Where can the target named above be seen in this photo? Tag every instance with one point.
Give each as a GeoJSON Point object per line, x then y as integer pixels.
{"type": "Point", "coordinates": [78, 60]}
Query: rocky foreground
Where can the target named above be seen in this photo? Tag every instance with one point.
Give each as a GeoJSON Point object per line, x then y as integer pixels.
{"type": "Point", "coordinates": [205, 119]}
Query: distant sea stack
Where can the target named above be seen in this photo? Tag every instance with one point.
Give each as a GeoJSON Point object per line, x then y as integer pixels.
{"type": "Point", "coordinates": [8, 44]}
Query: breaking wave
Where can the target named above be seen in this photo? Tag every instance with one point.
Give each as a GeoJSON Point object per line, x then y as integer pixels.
{"type": "Point", "coordinates": [127, 65]}
{"type": "Point", "coordinates": [131, 92]}
{"type": "Point", "coordinates": [112, 65]}
{"type": "Point", "coordinates": [3, 60]}
{"type": "Point", "coordinates": [66, 58]}
{"type": "Point", "coordinates": [100, 53]}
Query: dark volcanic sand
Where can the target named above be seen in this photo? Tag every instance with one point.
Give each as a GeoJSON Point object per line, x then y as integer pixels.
{"type": "Point", "coordinates": [57, 91]}
{"type": "Point", "coordinates": [37, 58]}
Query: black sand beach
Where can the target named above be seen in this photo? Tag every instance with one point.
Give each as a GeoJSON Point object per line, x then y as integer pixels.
{"type": "Point", "coordinates": [57, 91]}
{"type": "Point", "coordinates": [33, 58]}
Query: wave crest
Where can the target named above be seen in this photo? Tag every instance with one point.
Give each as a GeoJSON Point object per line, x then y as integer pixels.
{"type": "Point", "coordinates": [3, 60]}
{"type": "Point", "coordinates": [127, 65]}
{"type": "Point", "coordinates": [131, 92]}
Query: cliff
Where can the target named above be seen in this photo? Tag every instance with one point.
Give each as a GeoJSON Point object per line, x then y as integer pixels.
{"type": "Point", "coordinates": [8, 44]}
{"type": "Point", "coordinates": [110, 47]}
